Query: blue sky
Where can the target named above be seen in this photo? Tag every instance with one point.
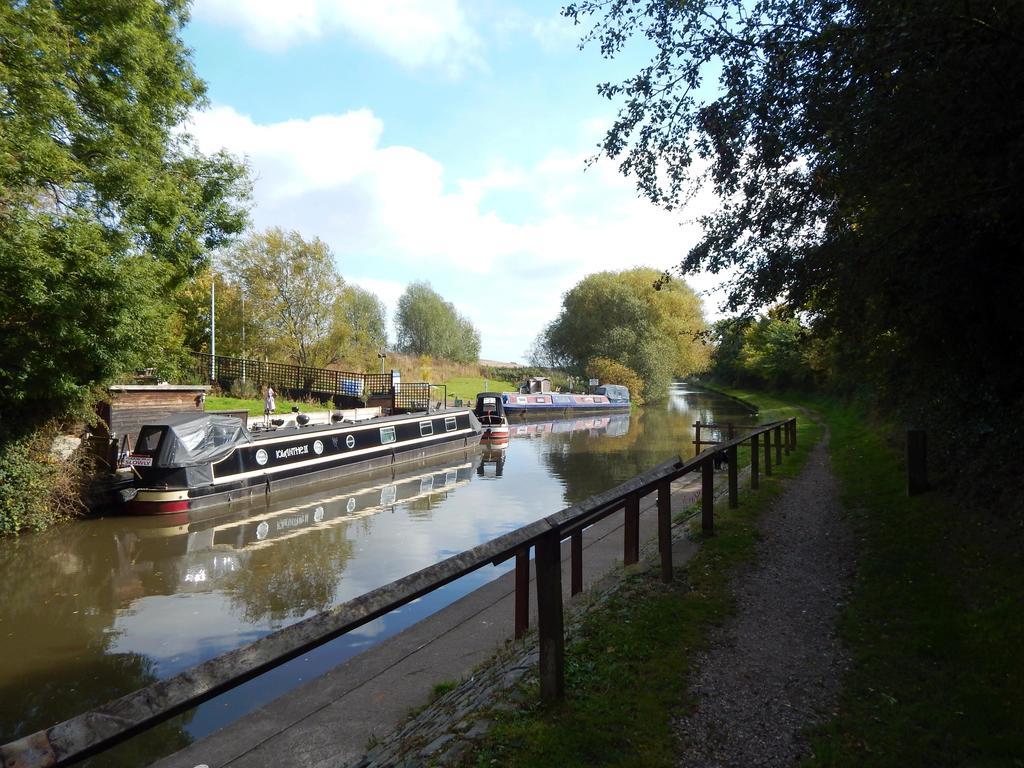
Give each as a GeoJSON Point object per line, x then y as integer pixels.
{"type": "Point", "coordinates": [436, 140]}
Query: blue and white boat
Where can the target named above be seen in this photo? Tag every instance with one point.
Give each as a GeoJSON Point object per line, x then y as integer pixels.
{"type": "Point", "coordinates": [606, 398]}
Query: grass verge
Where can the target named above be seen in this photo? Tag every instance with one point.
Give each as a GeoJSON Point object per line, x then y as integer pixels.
{"type": "Point", "coordinates": [935, 624]}
{"type": "Point", "coordinates": [467, 387]}
{"type": "Point", "coordinates": [628, 663]}
{"type": "Point", "coordinates": [255, 406]}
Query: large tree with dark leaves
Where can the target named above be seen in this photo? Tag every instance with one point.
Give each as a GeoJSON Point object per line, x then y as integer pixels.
{"type": "Point", "coordinates": [868, 156]}
{"type": "Point", "coordinates": [105, 205]}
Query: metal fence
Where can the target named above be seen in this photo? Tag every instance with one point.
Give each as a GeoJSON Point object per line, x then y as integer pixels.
{"type": "Point", "coordinates": [282, 376]}
{"type": "Point", "coordinates": [320, 382]}
{"type": "Point", "coordinates": [95, 731]}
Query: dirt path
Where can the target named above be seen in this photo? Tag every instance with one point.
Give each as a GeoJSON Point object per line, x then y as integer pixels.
{"type": "Point", "coordinates": [775, 667]}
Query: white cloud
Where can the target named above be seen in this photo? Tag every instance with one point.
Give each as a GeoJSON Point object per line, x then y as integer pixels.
{"type": "Point", "coordinates": [391, 216]}
{"type": "Point", "coordinates": [415, 33]}
{"type": "Point", "coordinates": [553, 32]}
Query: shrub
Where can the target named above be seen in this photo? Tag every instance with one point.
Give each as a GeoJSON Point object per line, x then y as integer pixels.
{"type": "Point", "coordinates": [609, 371]}
{"type": "Point", "coordinates": [36, 488]}
{"type": "Point", "coordinates": [245, 389]}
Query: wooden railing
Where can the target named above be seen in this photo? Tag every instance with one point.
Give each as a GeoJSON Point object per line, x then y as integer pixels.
{"type": "Point", "coordinates": [112, 723]}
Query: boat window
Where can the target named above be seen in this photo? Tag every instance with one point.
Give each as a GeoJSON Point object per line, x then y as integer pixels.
{"type": "Point", "coordinates": [450, 424]}
{"type": "Point", "coordinates": [149, 439]}
{"type": "Point", "coordinates": [387, 435]}
{"type": "Point", "coordinates": [426, 428]}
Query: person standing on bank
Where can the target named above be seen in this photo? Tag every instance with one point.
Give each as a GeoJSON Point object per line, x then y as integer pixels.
{"type": "Point", "coordinates": [269, 405]}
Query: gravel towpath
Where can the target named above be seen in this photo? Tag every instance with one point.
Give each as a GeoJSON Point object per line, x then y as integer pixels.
{"type": "Point", "coordinates": [775, 668]}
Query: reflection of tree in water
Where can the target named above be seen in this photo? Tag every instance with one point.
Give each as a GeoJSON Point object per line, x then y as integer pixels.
{"type": "Point", "coordinates": [62, 591]}
{"type": "Point", "coordinates": [591, 463]}
{"type": "Point", "coordinates": [292, 576]}
{"type": "Point", "coordinates": [422, 508]}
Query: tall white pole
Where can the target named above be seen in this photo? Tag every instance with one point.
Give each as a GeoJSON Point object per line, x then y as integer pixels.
{"type": "Point", "coordinates": [243, 334]}
{"type": "Point", "coordinates": [213, 327]}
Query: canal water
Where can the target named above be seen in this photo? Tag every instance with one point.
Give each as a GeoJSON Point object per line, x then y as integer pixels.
{"type": "Point", "coordinates": [98, 608]}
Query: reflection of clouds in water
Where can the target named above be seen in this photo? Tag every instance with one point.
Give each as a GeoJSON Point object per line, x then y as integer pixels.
{"type": "Point", "coordinates": [153, 626]}
{"type": "Point", "coordinates": [368, 632]}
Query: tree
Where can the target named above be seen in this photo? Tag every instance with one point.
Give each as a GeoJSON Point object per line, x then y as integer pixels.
{"type": "Point", "coordinates": [292, 291]}
{"type": "Point", "coordinates": [429, 325]}
{"type": "Point", "coordinates": [364, 317]}
{"type": "Point", "coordinates": [105, 206]}
{"type": "Point", "coordinates": [192, 304]}
{"type": "Point", "coordinates": [868, 162]}
{"type": "Point", "coordinates": [623, 317]}
{"type": "Point", "coordinates": [774, 350]}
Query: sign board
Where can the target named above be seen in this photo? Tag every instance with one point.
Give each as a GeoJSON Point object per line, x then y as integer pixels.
{"type": "Point", "coordinates": [138, 461]}
{"type": "Point", "coordinates": [396, 378]}
{"type": "Point", "coordinates": [594, 382]}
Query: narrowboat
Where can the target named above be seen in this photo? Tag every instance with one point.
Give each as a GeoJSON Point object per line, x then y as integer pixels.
{"type": "Point", "coordinates": [195, 461]}
{"type": "Point", "coordinates": [607, 398]}
{"type": "Point", "coordinates": [490, 412]}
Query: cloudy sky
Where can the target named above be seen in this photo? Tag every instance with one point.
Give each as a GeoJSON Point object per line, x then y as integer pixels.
{"type": "Point", "coordinates": [439, 140]}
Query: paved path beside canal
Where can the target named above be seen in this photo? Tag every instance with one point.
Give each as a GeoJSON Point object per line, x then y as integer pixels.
{"type": "Point", "coordinates": [775, 668]}
{"type": "Point", "coordinates": [333, 720]}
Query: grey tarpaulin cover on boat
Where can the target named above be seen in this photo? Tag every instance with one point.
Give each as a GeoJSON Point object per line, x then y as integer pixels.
{"type": "Point", "coordinates": [200, 440]}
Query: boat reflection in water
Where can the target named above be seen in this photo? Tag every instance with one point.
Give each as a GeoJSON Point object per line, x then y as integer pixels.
{"type": "Point", "coordinates": [492, 458]}
{"type": "Point", "coordinates": [203, 550]}
{"type": "Point", "coordinates": [608, 425]}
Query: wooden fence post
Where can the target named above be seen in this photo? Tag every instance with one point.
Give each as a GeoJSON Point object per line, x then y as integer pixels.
{"type": "Point", "coordinates": [576, 561]}
{"type": "Point", "coordinates": [794, 434]}
{"type": "Point", "coordinates": [789, 437]}
{"type": "Point", "coordinates": [665, 529]}
{"type": "Point", "coordinates": [522, 599]}
{"type": "Point", "coordinates": [755, 458]}
{"type": "Point", "coordinates": [631, 531]}
{"type": "Point", "coordinates": [707, 496]}
{"type": "Point", "coordinates": [550, 633]}
{"type": "Point", "coordinates": [778, 444]}
{"type": "Point", "coordinates": [917, 461]}
{"type": "Point", "coordinates": [767, 434]}
{"type": "Point", "coordinates": [734, 477]}
{"type": "Point", "coordinates": [696, 440]}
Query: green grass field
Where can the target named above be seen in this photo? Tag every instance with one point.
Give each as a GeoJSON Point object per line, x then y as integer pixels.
{"type": "Point", "coordinates": [255, 407]}
{"type": "Point", "coordinates": [467, 387]}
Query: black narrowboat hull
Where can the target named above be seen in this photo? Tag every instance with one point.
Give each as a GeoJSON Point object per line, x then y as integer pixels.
{"type": "Point", "coordinates": [290, 459]}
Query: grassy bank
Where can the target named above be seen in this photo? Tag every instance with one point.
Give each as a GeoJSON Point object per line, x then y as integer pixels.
{"type": "Point", "coordinates": [935, 625]}
{"type": "Point", "coordinates": [466, 388]}
{"type": "Point", "coordinates": [255, 405]}
{"type": "Point", "coordinates": [627, 665]}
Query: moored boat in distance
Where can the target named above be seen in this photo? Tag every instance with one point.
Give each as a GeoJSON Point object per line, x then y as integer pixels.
{"type": "Point", "coordinates": [490, 412]}
{"type": "Point", "coordinates": [608, 397]}
{"type": "Point", "coordinates": [195, 461]}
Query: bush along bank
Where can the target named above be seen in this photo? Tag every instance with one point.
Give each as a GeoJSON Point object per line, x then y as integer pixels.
{"type": "Point", "coordinates": [37, 487]}
{"type": "Point", "coordinates": [629, 661]}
